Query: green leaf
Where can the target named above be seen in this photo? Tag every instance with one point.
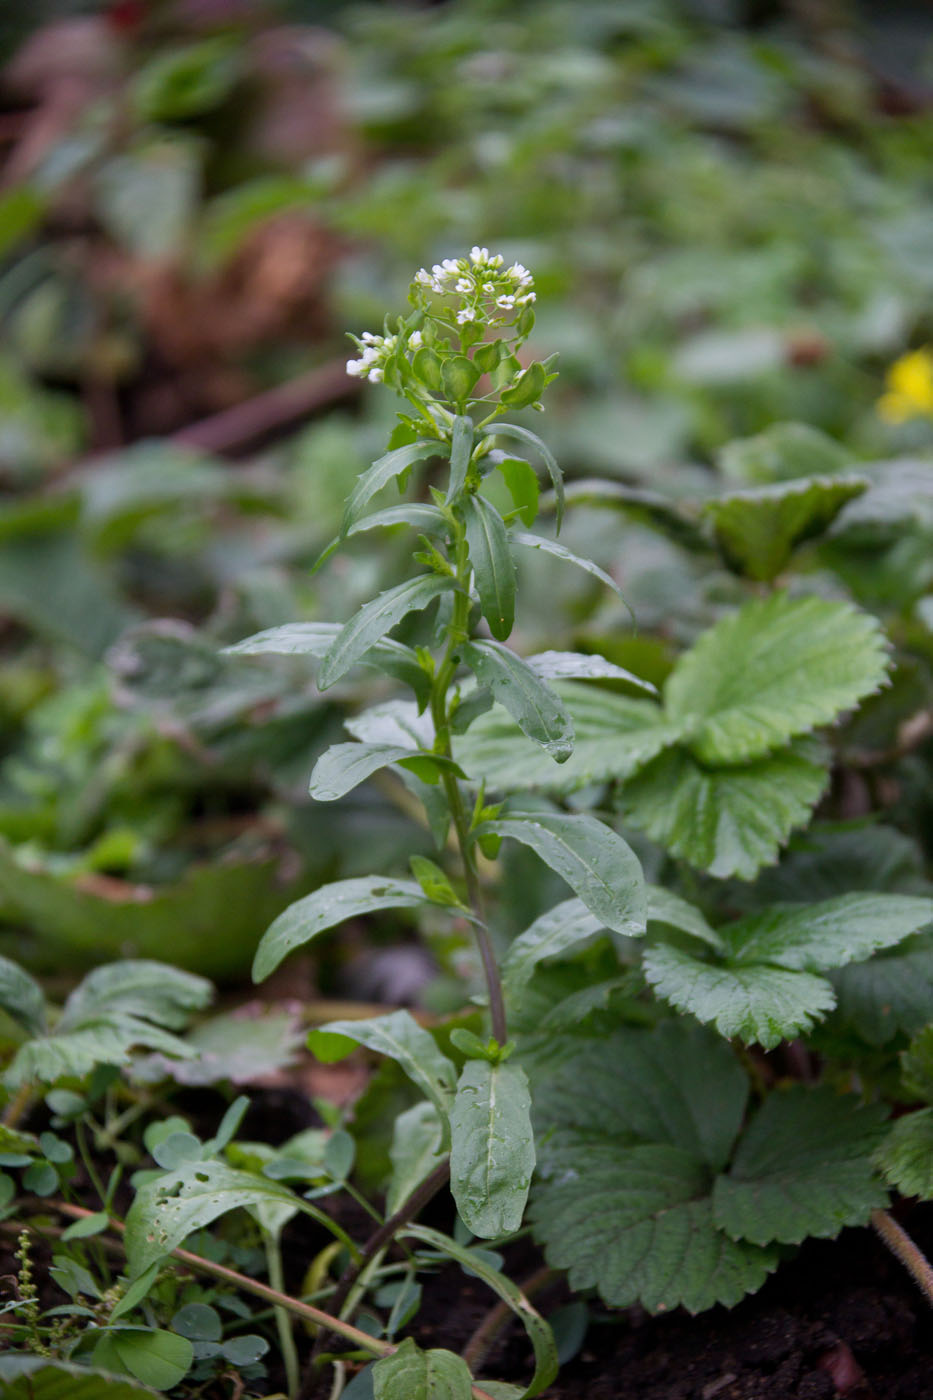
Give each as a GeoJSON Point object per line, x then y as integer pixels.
{"type": "Point", "coordinates": [417, 1148]}
{"type": "Point", "coordinates": [783, 452]}
{"type": "Point", "coordinates": [539, 1332]}
{"type": "Point", "coordinates": [758, 1003]}
{"type": "Point", "coordinates": [647, 508]}
{"type": "Point", "coordinates": [27, 1377]}
{"type": "Point", "coordinates": [891, 994]}
{"type": "Point", "coordinates": [803, 1167]}
{"type": "Point", "coordinates": [316, 638]}
{"type": "Point", "coordinates": [534, 706]}
{"type": "Point", "coordinates": [326, 907]}
{"type": "Point", "coordinates": [157, 1358]}
{"type": "Point", "coordinates": [577, 665]}
{"type": "Point", "coordinates": [136, 1292]}
{"type": "Point", "coordinates": [173, 1205]}
{"type": "Point", "coordinates": [614, 736]}
{"type": "Point", "coordinates": [774, 669]}
{"type": "Point", "coordinates": [21, 997]}
{"type": "Point", "coordinates": [460, 376]}
{"type": "Point", "coordinates": [437, 888]}
{"type": "Point", "coordinates": [343, 767]}
{"type": "Point", "coordinates": [513, 430]}
{"type": "Point", "coordinates": [413, 1374]}
{"type": "Point", "coordinates": [657, 1120]}
{"type": "Point", "coordinates": [567, 556]}
{"type": "Point", "coordinates": [831, 933]}
{"type": "Point", "coordinates": [492, 1148]}
{"type": "Point", "coordinates": [917, 1065]}
{"type": "Point", "coordinates": [493, 565]}
{"type": "Point", "coordinates": [522, 484]}
{"type": "Point", "coordinates": [906, 1154]}
{"type": "Point", "coordinates": [88, 1226]}
{"type": "Point", "coordinates": [386, 469]}
{"type": "Point", "coordinates": [758, 530]}
{"type": "Point", "coordinates": [398, 1036]}
{"type": "Point", "coordinates": [551, 934]}
{"type": "Point", "coordinates": [596, 863]}
{"type": "Point", "coordinates": [666, 907]}
{"type": "Point", "coordinates": [461, 450]}
{"type": "Point", "coordinates": [374, 619]}
{"type": "Point", "coordinates": [428, 519]}
{"type": "Point", "coordinates": [729, 821]}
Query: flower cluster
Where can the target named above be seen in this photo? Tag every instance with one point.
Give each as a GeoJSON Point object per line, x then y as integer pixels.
{"type": "Point", "coordinates": [375, 350]}
{"type": "Point", "coordinates": [489, 292]}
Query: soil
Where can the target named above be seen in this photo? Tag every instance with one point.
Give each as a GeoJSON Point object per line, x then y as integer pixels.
{"type": "Point", "coordinates": [840, 1319]}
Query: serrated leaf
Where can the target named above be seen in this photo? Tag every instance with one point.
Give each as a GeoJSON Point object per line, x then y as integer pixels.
{"type": "Point", "coordinates": [326, 907]}
{"type": "Point", "coordinates": [136, 987]}
{"type": "Point", "coordinates": [576, 665]}
{"type": "Point", "coordinates": [398, 1036]}
{"type": "Point", "coordinates": [375, 619]}
{"type": "Point", "coordinates": [783, 452]}
{"type": "Point", "coordinates": [758, 1003]}
{"type": "Point", "coordinates": [729, 821]}
{"type": "Point", "coordinates": [891, 994]}
{"type": "Point", "coordinates": [802, 1167]}
{"type": "Point", "coordinates": [461, 449]}
{"type": "Point", "coordinates": [535, 707]}
{"type": "Point", "coordinates": [492, 1148]}
{"type": "Point", "coordinates": [596, 863]}
{"type": "Point", "coordinates": [21, 997]}
{"type": "Point", "coordinates": [383, 471]}
{"type": "Point", "coordinates": [917, 1065]}
{"type": "Point", "coordinates": [774, 669]}
{"type": "Point", "coordinates": [513, 430]}
{"type": "Point", "coordinates": [831, 933]}
{"type": "Point", "coordinates": [493, 565]}
{"type": "Point", "coordinates": [648, 508]}
{"type": "Point", "coordinates": [567, 556]}
{"type": "Point", "coordinates": [316, 638]}
{"type": "Point", "coordinates": [539, 1333]}
{"type": "Point", "coordinates": [27, 1377]}
{"type": "Point", "coordinates": [551, 934]}
{"type": "Point", "coordinates": [759, 529]}
{"type": "Point", "coordinates": [660, 1115]}
{"type": "Point", "coordinates": [614, 736]}
{"type": "Point", "coordinates": [417, 1148]}
{"type": "Point", "coordinates": [413, 1374]}
{"type": "Point", "coordinates": [906, 1154]}
{"type": "Point", "coordinates": [236, 1047]}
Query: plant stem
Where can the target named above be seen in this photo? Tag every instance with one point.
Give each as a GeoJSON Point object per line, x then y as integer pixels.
{"type": "Point", "coordinates": [499, 1316]}
{"type": "Point", "coordinates": [902, 1246]}
{"type": "Point", "coordinates": [282, 1321]}
{"type": "Point", "coordinates": [17, 1107]}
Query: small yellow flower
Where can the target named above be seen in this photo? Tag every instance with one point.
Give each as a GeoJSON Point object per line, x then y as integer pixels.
{"type": "Point", "coordinates": [909, 388]}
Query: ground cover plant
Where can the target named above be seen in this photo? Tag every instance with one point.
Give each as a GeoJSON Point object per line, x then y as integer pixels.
{"type": "Point", "coordinates": [620, 782]}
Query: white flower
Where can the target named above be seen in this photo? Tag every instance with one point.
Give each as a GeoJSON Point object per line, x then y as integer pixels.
{"type": "Point", "coordinates": [520, 274]}
{"type": "Point", "coordinates": [528, 297]}
{"type": "Point", "coordinates": [464, 286]}
{"type": "Point", "coordinates": [506, 302]}
{"type": "Point", "coordinates": [415, 340]}
{"type": "Point", "coordinates": [465, 314]}
{"type": "Point", "coordinates": [489, 288]}
{"type": "Point", "coordinates": [423, 277]}
{"type": "Point", "coordinates": [479, 255]}
{"type": "Point", "coordinates": [375, 376]}
{"type": "Point", "coordinates": [355, 368]}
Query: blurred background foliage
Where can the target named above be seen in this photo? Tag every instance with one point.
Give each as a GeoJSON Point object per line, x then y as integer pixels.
{"type": "Point", "coordinates": [728, 209]}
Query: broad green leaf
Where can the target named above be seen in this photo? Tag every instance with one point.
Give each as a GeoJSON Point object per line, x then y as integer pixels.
{"type": "Point", "coordinates": [413, 1374]}
{"type": "Point", "coordinates": [535, 707]}
{"type": "Point", "coordinates": [375, 619]}
{"type": "Point", "coordinates": [27, 1377]}
{"type": "Point", "coordinates": [386, 469]}
{"type": "Point", "coordinates": [316, 638]}
{"type": "Point", "coordinates": [803, 1167]}
{"type": "Point", "coordinates": [758, 530]}
{"type": "Point", "coordinates": [659, 1116]}
{"type": "Point", "coordinates": [540, 1335]}
{"type": "Point", "coordinates": [237, 1048]}
{"type": "Point", "coordinates": [493, 565]}
{"type": "Point", "coordinates": [326, 907]}
{"type": "Point", "coordinates": [815, 937]}
{"type": "Point", "coordinates": [783, 452]}
{"type": "Point", "coordinates": [917, 1065]}
{"type": "Point", "coordinates": [155, 1357]}
{"type": "Point", "coordinates": [906, 1154]}
{"type": "Point", "coordinates": [666, 907]}
{"type": "Point", "coordinates": [729, 821]}
{"type": "Point", "coordinates": [562, 927]}
{"type": "Point", "coordinates": [492, 1148]}
{"type": "Point", "coordinates": [776, 668]}
{"type": "Point", "coordinates": [398, 1036]}
{"type": "Point", "coordinates": [567, 556]}
{"type": "Point", "coordinates": [461, 449]}
{"type": "Point", "coordinates": [614, 736]}
{"type": "Point", "coordinates": [758, 1003]}
{"type": "Point", "coordinates": [21, 997]}
{"type": "Point", "coordinates": [343, 767]}
{"type": "Point", "coordinates": [576, 665]}
{"type": "Point", "coordinates": [163, 994]}
{"type": "Point", "coordinates": [173, 1205]}
{"type": "Point", "coordinates": [513, 430]}
{"type": "Point", "coordinates": [417, 1148]}
{"type": "Point", "coordinates": [596, 863]}
{"type": "Point", "coordinates": [890, 994]}
{"type": "Point", "coordinates": [522, 484]}
{"type": "Point", "coordinates": [648, 508]}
